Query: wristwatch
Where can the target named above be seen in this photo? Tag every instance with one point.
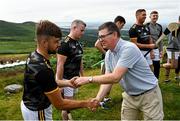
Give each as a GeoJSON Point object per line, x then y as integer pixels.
{"type": "Point", "coordinates": [90, 79]}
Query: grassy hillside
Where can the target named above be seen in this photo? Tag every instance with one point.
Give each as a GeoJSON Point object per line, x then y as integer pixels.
{"type": "Point", "coordinates": [10, 103]}
{"type": "Point", "coordinates": [17, 31]}
{"type": "Point", "coordinates": [19, 37]}
{"type": "Point", "coordinates": [16, 47]}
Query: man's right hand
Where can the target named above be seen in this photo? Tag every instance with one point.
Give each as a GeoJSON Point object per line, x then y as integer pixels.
{"type": "Point", "coordinates": [93, 104]}
{"type": "Point", "coordinates": [70, 82]}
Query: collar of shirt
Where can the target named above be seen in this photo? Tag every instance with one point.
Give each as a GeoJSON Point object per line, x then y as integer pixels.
{"type": "Point", "coordinates": [118, 46]}
{"type": "Point", "coordinates": [153, 24]}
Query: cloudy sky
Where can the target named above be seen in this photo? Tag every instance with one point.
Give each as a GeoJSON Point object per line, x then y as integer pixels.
{"type": "Point", "coordinates": [87, 10]}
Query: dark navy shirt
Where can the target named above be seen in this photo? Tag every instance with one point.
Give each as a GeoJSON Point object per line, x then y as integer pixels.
{"type": "Point", "coordinates": [38, 80]}
{"type": "Point", "coordinates": [74, 52]}
{"type": "Point", "coordinates": [142, 33]}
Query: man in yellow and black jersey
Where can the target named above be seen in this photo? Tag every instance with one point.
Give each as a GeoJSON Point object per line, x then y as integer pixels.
{"type": "Point", "coordinates": [40, 87]}
{"type": "Point", "coordinates": [73, 51]}
{"type": "Point", "coordinates": [140, 35]}
{"type": "Point", "coordinates": [69, 60]}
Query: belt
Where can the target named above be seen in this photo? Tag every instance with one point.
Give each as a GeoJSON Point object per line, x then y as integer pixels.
{"type": "Point", "coordinates": [145, 92]}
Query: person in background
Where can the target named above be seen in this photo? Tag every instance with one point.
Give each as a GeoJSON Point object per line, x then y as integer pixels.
{"type": "Point", "coordinates": [69, 60]}
{"type": "Point", "coordinates": [156, 32]}
{"type": "Point", "coordinates": [120, 22]}
{"type": "Point", "coordinates": [140, 35]}
{"type": "Point", "coordinates": [173, 51]}
{"type": "Point", "coordinates": [40, 87]}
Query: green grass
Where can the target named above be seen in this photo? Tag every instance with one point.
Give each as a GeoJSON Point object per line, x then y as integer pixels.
{"type": "Point", "coordinates": [18, 39]}
{"type": "Point", "coordinates": [10, 103]}
{"type": "Point", "coordinates": [17, 31]}
{"type": "Point", "coordinates": [15, 47]}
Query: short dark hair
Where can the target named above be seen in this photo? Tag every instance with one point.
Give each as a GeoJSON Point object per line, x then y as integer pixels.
{"type": "Point", "coordinates": [110, 26]}
{"type": "Point", "coordinates": [154, 12]}
{"type": "Point", "coordinates": [45, 27]}
{"type": "Point", "coordinates": [179, 18]}
{"type": "Point", "coordinates": [120, 18]}
{"type": "Point", "coordinates": [139, 11]}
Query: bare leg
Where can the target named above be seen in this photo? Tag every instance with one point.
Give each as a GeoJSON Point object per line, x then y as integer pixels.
{"type": "Point", "coordinates": [66, 115]}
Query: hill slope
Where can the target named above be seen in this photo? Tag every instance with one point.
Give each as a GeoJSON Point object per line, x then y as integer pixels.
{"type": "Point", "coordinates": [25, 32]}
{"type": "Point", "coordinates": [21, 32]}
{"type": "Point", "coordinates": [17, 31]}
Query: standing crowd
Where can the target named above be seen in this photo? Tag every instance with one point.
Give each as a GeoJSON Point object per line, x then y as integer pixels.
{"type": "Point", "coordinates": [134, 64]}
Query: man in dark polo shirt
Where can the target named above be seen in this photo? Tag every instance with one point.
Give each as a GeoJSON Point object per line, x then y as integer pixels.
{"type": "Point", "coordinates": [140, 35]}
{"type": "Point", "coordinates": [40, 87]}
{"type": "Point", "coordinates": [69, 63]}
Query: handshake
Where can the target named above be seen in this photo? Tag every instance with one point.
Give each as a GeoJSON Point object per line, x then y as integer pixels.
{"type": "Point", "coordinates": [78, 81]}
{"type": "Point", "coordinates": [75, 82]}
{"type": "Point", "coordinates": [92, 104]}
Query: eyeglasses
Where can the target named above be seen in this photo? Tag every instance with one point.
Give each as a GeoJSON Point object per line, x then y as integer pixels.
{"type": "Point", "coordinates": [103, 36]}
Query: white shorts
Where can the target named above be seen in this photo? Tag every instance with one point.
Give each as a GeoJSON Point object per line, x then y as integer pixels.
{"type": "Point", "coordinates": [28, 114]}
{"type": "Point", "coordinates": [68, 91]}
{"type": "Point", "coordinates": [148, 58]}
{"type": "Point", "coordinates": [169, 54]}
{"type": "Point", "coordinates": [156, 55]}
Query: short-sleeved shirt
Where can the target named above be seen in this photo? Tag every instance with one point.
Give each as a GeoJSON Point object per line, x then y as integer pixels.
{"type": "Point", "coordinates": [156, 32]}
{"type": "Point", "coordinates": [174, 41]}
{"type": "Point", "coordinates": [142, 33]}
{"type": "Point", "coordinates": [38, 80]}
{"type": "Point", "coordinates": [139, 77]}
{"type": "Point", "coordinates": [74, 52]}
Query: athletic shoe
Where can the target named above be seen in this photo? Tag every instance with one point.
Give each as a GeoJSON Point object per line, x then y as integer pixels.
{"type": "Point", "coordinates": [103, 105]}
{"type": "Point", "coordinates": [106, 99]}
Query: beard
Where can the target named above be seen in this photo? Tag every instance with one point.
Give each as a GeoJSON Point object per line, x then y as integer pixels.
{"type": "Point", "coordinates": [52, 52]}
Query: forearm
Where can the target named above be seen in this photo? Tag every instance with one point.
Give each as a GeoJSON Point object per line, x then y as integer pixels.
{"type": "Point", "coordinates": [81, 69]}
{"type": "Point", "coordinates": [149, 46]}
{"type": "Point", "coordinates": [58, 102]}
{"type": "Point", "coordinates": [62, 83]}
{"type": "Point", "coordinates": [59, 77]}
{"type": "Point", "coordinates": [59, 73]}
{"type": "Point", "coordinates": [161, 46]}
{"type": "Point", "coordinates": [73, 104]}
{"type": "Point", "coordinates": [104, 89]}
{"type": "Point", "coordinates": [109, 78]}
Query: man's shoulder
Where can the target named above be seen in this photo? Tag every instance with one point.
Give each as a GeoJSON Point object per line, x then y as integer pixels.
{"type": "Point", "coordinates": [129, 44]}
{"type": "Point", "coordinates": [147, 24]}
{"type": "Point", "coordinates": [134, 26]}
{"type": "Point", "coordinates": [159, 25]}
{"type": "Point", "coordinates": [66, 39]}
{"type": "Point", "coordinates": [65, 43]}
{"type": "Point", "coordinates": [37, 59]}
{"type": "Point", "coordinates": [133, 29]}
